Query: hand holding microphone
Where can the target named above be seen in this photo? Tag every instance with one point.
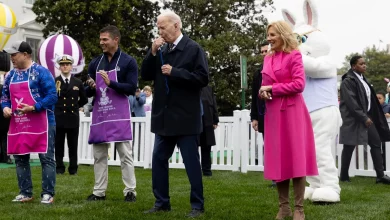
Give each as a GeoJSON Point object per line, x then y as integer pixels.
{"type": "Point", "coordinates": [91, 83]}
{"type": "Point", "coordinates": [157, 43]}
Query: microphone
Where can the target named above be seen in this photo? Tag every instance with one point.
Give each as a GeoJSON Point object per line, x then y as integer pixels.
{"type": "Point", "coordinates": [161, 46]}
{"type": "Point", "coordinates": [160, 53]}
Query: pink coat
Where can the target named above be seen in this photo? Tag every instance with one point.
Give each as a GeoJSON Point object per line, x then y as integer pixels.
{"type": "Point", "coordinates": [289, 139]}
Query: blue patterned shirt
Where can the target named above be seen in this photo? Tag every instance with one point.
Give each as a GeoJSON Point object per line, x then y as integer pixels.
{"type": "Point", "coordinates": [42, 87]}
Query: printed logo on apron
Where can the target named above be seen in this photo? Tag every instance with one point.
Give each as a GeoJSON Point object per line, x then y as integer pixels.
{"type": "Point", "coordinates": [28, 133]}
{"type": "Point", "coordinates": [111, 117]}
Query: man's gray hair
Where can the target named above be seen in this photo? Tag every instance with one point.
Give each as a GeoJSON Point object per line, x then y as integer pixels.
{"type": "Point", "coordinates": [172, 16]}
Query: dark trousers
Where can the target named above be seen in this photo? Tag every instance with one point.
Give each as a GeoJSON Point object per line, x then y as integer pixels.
{"type": "Point", "coordinates": [3, 147]}
{"type": "Point", "coordinates": [256, 160]}
{"type": "Point", "coordinates": [384, 155]}
{"type": "Point", "coordinates": [206, 159]}
{"type": "Point", "coordinates": [163, 149]}
{"type": "Point", "coordinates": [375, 144]}
{"type": "Point", "coordinates": [72, 135]}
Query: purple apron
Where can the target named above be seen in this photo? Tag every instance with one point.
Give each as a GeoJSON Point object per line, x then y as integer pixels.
{"type": "Point", "coordinates": [28, 133]}
{"type": "Point", "coordinates": [111, 112]}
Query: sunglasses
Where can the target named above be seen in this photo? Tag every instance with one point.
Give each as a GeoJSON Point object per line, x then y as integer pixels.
{"type": "Point", "coordinates": [302, 38]}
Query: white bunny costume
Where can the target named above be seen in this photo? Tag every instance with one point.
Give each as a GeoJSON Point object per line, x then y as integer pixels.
{"type": "Point", "coordinates": [320, 95]}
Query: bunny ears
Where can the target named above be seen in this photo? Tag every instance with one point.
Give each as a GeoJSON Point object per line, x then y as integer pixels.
{"type": "Point", "coordinates": [309, 13]}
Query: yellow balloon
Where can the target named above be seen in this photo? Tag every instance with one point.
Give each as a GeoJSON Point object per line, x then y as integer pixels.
{"type": "Point", "coordinates": [8, 24]}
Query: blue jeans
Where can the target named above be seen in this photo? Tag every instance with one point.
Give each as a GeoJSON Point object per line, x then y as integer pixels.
{"type": "Point", "coordinates": [48, 163]}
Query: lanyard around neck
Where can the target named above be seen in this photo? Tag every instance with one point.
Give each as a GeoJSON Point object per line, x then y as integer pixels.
{"type": "Point", "coordinates": [97, 68]}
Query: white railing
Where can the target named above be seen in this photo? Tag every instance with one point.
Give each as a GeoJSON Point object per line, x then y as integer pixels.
{"type": "Point", "coordinates": [237, 147]}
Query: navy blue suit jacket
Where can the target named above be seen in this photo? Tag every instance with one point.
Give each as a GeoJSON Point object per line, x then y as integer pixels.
{"type": "Point", "coordinates": [179, 111]}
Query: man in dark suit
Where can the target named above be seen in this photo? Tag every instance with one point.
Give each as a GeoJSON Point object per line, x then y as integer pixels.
{"type": "Point", "coordinates": [4, 126]}
{"type": "Point", "coordinates": [210, 122]}
{"type": "Point", "coordinates": [179, 69]}
{"type": "Point", "coordinates": [363, 120]}
{"type": "Point", "coordinates": [257, 106]}
{"type": "Point", "coordinates": [71, 96]}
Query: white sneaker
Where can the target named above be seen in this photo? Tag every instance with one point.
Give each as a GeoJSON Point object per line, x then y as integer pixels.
{"type": "Point", "coordinates": [47, 199]}
{"type": "Point", "coordinates": [22, 198]}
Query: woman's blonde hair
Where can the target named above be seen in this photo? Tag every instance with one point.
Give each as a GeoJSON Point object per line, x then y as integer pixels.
{"type": "Point", "coordinates": [290, 41]}
{"type": "Point", "coordinates": [147, 88]}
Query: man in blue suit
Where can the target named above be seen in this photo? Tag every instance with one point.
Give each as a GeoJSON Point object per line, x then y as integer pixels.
{"type": "Point", "coordinates": [178, 67]}
{"type": "Point", "coordinates": [137, 103]}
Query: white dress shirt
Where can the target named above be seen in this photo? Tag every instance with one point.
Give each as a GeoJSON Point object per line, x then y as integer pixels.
{"type": "Point", "coordinates": [367, 88]}
{"type": "Point", "coordinates": [63, 78]}
{"type": "Point", "coordinates": [177, 41]}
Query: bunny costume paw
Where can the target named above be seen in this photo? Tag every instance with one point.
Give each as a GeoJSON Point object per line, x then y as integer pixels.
{"type": "Point", "coordinates": [327, 195]}
{"type": "Point", "coordinates": [308, 192]}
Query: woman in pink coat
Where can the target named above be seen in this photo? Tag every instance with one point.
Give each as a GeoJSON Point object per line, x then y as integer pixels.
{"type": "Point", "coordinates": [289, 140]}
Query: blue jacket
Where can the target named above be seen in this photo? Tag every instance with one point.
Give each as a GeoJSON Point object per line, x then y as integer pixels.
{"type": "Point", "coordinates": [127, 71]}
{"type": "Point", "coordinates": [42, 88]}
{"type": "Point", "coordinates": [386, 108]}
{"type": "Point", "coordinates": [137, 104]}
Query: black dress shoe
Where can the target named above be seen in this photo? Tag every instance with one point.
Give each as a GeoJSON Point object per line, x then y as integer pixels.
{"type": "Point", "coordinates": [347, 180]}
{"type": "Point", "coordinates": [158, 209]}
{"type": "Point", "coordinates": [72, 172]}
{"type": "Point", "coordinates": [94, 197]}
{"type": "Point", "coordinates": [195, 213]}
{"type": "Point", "coordinates": [207, 173]}
{"type": "Point", "coordinates": [130, 197]}
{"type": "Point", "coordinates": [385, 180]}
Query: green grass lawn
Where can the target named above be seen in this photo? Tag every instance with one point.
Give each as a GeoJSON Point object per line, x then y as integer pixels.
{"type": "Point", "coordinates": [228, 195]}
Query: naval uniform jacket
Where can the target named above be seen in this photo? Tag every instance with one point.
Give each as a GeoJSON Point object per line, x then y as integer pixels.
{"type": "Point", "coordinates": [69, 101]}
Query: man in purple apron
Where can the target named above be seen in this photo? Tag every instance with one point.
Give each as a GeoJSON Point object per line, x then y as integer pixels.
{"type": "Point", "coordinates": [28, 98]}
{"type": "Point", "coordinates": [113, 77]}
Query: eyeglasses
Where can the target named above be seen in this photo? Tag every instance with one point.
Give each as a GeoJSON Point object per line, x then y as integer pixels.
{"type": "Point", "coordinates": [302, 38]}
